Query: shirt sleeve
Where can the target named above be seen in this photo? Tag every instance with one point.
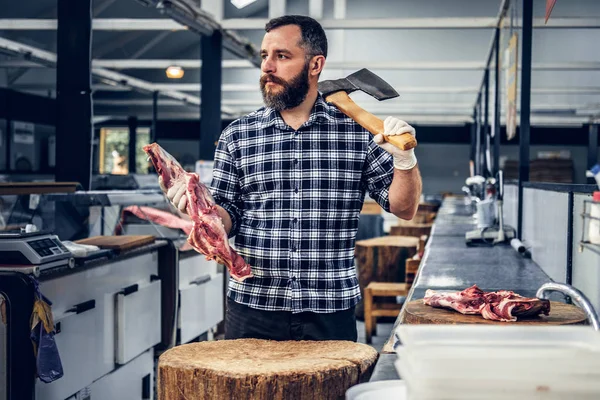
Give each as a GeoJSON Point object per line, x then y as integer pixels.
{"type": "Point", "coordinates": [225, 183]}
{"type": "Point", "coordinates": [378, 174]}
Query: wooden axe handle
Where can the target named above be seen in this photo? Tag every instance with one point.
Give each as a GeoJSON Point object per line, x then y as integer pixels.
{"type": "Point", "coordinates": [368, 121]}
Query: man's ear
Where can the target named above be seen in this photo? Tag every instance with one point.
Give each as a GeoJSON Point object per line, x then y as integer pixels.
{"type": "Point", "coordinates": [317, 63]}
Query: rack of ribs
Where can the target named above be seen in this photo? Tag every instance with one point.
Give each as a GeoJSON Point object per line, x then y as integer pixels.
{"type": "Point", "coordinates": [208, 234]}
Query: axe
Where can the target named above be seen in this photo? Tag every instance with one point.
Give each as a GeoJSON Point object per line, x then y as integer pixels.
{"type": "Point", "coordinates": [336, 93]}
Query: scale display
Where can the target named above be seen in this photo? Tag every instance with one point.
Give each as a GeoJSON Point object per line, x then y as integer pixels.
{"type": "Point", "coordinates": [35, 248]}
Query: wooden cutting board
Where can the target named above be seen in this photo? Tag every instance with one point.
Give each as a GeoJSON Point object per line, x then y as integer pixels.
{"type": "Point", "coordinates": [415, 312]}
{"type": "Point", "coordinates": [119, 243]}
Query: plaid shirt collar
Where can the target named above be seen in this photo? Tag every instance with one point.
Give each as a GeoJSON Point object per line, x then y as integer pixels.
{"type": "Point", "coordinates": [321, 113]}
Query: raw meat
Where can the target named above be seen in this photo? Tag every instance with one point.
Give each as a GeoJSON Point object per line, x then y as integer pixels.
{"type": "Point", "coordinates": [159, 217]}
{"type": "Point", "coordinates": [208, 234]}
{"type": "Point", "coordinates": [469, 301]}
{"type": "Point", "coordinates": [503, 305]}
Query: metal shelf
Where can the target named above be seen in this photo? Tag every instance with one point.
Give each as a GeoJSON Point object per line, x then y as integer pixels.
{"type": "Point", "coordinates": [110, 198]}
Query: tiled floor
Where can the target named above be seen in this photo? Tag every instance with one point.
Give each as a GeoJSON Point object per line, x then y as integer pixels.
{"type": "Point", "coordinates": [383, 333]}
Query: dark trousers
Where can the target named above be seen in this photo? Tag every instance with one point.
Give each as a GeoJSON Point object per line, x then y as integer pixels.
{"type": "Point", "coordinates": [243, 322]}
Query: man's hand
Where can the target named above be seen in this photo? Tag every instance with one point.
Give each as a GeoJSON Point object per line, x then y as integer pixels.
{"type": "Point", "coordinates": [175, 194]}
{"type": "Point", "coordinates": [403, 159]}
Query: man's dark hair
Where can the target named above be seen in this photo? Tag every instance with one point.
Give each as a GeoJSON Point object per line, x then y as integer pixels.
{"type": "Point", "coordinates": [313, 40]}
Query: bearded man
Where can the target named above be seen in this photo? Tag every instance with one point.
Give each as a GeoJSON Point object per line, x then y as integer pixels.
{"type": "Point", "coordinates": [290, 180]}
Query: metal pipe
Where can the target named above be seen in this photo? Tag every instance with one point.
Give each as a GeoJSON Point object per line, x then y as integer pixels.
{"type": "Point", "coordinates": [154, 116]}
{"type": "Point", "coordinates": [525, 113]}
{"type": "Point", "coordinates": [575, 295]}
{"type": "Point", "coordinates": [592, 154]}
{"type": "Point", "coordinates": [486, 123]}
{"type": "Point", "coordinates": [496, 132]}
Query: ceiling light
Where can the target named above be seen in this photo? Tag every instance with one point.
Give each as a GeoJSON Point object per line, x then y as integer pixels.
{"type": "Point", "coordinates": [242, 3]}
{"type": "Point", "coordinates": [174, 72]}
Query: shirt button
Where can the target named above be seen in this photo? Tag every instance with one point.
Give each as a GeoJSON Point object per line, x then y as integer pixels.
{"type": "Point", "coordinates": [295, 220]}
{"type": "Point", "coordinates": [296, 161]}
{"type": "Point", "coordinates": [296, 190]}
{"type": "Point", "coordinates": [293, 279]}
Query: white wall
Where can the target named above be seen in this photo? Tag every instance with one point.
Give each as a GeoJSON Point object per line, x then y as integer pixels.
{"type": "Point", "coordinates": [586, 265]}
{"type": "Point", "coordinates": [545, 225]}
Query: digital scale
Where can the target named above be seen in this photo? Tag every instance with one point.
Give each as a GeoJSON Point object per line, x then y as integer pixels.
{"type": "Point", "coordinates": [34, 251]}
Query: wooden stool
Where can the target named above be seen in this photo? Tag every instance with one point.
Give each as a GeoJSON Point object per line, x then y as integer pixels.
{"type": "Point", "coordinates": [382, 259]}
{"type": "Point", "coordinates": [409, 228]}
{"type": "Point", "coordinates": [374, 310]}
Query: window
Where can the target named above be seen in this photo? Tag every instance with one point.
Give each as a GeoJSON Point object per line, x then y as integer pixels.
{"type": "Point", "coordinates": [114, 153]}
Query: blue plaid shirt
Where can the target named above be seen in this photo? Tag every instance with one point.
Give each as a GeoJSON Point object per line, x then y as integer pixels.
{"type": "Point", "coordinates": [294, 198]}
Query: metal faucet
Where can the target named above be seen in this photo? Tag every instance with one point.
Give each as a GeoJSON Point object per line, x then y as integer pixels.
{"type": "Point", "coordinates": [576, 295]}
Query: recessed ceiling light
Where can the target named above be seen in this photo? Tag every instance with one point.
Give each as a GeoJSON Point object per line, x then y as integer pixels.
{"type": "Point", "coordinates": [242, 3]}
{"type": "Point", "coordinates": [174, 72]}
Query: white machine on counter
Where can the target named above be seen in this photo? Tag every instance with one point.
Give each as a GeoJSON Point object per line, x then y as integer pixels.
{"type": "Point", "coordinates": [490, 233]}
{"type": "Point", "coordinates": [36, 251]}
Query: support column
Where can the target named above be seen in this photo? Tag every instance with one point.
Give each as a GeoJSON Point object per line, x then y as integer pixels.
{"type": "Point", "coordinates": [154, 116]}
{"type": "Point", "coordinates": [473, 163]}
{"type": "Point", "coordinates": [74, 131]}
{"type": "Point", "coordinates": [524, 127]}
{"type": "Point", "coordinates": [486, 125]}
{"type": "Point", "coordinates": [132, 123]}
{"type": "Point", "coordinates": [497, 106]}
{"type": "Point", "coordinates": [592, 154]}
{"type": "Point", "coordinates": [478, 111]}
{"type": "Point", "coordinates": [210, 95]}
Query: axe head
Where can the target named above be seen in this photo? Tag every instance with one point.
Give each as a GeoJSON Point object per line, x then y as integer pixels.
{"type": "Point", "coordinates": [363, 80]}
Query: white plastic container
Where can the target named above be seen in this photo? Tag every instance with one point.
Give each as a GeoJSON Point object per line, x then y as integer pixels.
{"type": "Point", "coordinates": [499, 362]}
{"type": "Point", "coordinates": [499, 335]}
{"type": "Point", "coordinates": [437, 361]}
{"type": "Point", "coordinates": [506, 384]}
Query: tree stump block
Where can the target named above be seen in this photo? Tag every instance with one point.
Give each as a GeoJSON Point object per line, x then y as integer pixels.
{"type": "Point", "coordinates": [253, 369]}
{"type": "Point", "coordinates": [382, 259]}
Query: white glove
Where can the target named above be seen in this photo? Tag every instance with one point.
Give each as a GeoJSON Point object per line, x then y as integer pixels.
{"type": "Point", "coordinates": [176, 194]}
{"type": "Point", "coordinates": [403, 159]}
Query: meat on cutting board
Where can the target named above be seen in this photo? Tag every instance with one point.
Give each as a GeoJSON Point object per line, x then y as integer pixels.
{"type": "Point", "coordinates": [208, 234]}
{"type": "Point", "coordinates": [503, 305]}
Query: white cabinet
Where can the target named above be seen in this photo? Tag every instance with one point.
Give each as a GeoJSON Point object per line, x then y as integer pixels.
{"type": "Point", "coordinates": [138, 320]}
{"type": "Point", "coordinates": [201, 297]}
{"type": "Point", "coordinates": [79, 343]}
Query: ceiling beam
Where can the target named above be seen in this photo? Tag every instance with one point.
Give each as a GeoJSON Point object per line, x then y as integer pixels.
{"type": "Point", "coordinates": [103, 74]}
{"type": "Point", "coordinates": [330, 65]}
{"type": "Point", "coordinates": [245, 87]}
{"type": "Point", "coordinates": [162, 24]}
{"type": "Point", "coordinates": [465, 107]}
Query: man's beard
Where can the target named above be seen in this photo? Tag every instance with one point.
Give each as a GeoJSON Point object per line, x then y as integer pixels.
{"type": "Point", "coordinates": [293, 92]}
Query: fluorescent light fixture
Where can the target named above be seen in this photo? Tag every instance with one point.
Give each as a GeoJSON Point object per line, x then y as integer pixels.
{"type": "Point", "coordinates": [242, 3]}
{"type": "Point", "coordinates": [175, 72]}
